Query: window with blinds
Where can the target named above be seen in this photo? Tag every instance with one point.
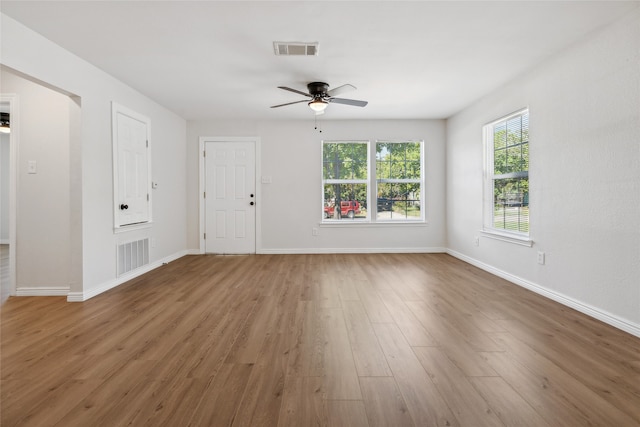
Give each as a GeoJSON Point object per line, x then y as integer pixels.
{"type": "Point", "coordinates": [507, 175]}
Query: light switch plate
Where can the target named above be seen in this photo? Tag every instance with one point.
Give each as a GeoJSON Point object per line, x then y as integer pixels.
{"type": "Point", "coordinates": [32, 166]}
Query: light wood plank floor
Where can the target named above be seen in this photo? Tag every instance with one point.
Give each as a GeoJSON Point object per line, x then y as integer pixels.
{"type": "Point", "coordinates": [314, 340]}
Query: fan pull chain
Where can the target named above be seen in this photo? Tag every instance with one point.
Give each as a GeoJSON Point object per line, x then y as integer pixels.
{"type": "Point", "coordinates": [315, 121]}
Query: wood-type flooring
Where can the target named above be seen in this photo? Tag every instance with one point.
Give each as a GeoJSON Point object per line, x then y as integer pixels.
{"type": "Point", "coordinates": [314, 340]}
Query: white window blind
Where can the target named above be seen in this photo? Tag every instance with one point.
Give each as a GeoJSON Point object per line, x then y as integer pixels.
{"type": "Point", "coordinates": [507, 185]}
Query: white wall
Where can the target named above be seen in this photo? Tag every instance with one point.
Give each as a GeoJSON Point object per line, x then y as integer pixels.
{"type": "Point", "coordinates": [91, 160]}
{"type": "Point", "coordinates": [4, 187]}
{"type": "Point", "coordinates": [291, 204]}
{"type": "Point", "coordinates": [584, 177]}
{"type": "Point", "coordinates": [43, 198]}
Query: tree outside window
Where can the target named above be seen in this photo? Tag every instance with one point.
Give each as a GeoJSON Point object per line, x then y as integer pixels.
{"type": "Point", "coordinates": [398, 180]}
{"type": "Point", "coordinates": [345, 170]}
{"type": "Point", "coordinates": [508, 151]}
{"type": "Point", "coordinates": [395, 172]}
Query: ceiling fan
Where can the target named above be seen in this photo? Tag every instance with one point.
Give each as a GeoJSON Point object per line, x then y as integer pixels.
{"type": "Point", "coordinates": [321, 96]}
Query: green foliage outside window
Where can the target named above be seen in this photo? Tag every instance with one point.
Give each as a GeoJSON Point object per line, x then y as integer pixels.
{"type": "Point", "coordinates": [398, 176]}
{"type": "Point", "coordinates": [344, 160]}
{"type": "Point", "coordinates": [344, 165]}
{"type": "Point", "coordinates": [511, 174]}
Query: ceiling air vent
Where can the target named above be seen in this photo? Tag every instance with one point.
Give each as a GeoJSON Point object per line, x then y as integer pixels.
{"type": "Point", "coordinates": [295, 48]}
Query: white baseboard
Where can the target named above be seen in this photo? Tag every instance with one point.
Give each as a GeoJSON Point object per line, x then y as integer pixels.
{"type": "Point", "coordinates": [90, 293]}
{"type": "Point", "coordinates": [311, 251]}
{"type": "Point", "coordinates": [4, 241]}
{"type": "Point", "coordinates": [44, 291]}
{"type": "Point", "coordinates": [587, 309]}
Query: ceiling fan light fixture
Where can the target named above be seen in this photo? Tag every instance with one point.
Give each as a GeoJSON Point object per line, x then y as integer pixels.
{"type": "Point", "coordinates": [318, 105]}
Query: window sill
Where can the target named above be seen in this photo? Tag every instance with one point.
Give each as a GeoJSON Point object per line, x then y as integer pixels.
{"type": "Point", "coordinates": [132, 227]}
{"type": "Point", "coordinates": [378, 224]}
{"type": "Point", "coordinates": [507, 237]}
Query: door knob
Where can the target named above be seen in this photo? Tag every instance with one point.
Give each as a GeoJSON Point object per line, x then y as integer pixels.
{"type": "Point", "coordinates": [250, 195]}
{"type": "Point", "coordinates": [123, 207]}
{"type": "Point", "coordinates": [251, 203]}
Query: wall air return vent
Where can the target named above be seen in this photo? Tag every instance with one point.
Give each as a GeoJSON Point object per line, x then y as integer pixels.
{"type": "Point", "coordinates": [132, 255]}
{"type": "Point", "coordinates": [295, 48]}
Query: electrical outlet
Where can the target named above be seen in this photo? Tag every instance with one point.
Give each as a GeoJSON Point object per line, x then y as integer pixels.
{"type": "Point", "coordinates": [315, 231]}
{"type": "Point", "coordinates": [541, 258]}
{"type": "Point", "coordinates": [476, 241]}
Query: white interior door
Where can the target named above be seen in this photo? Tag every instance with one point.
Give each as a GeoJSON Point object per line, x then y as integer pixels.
{"type": "Point", "coordinates": [132, 151]}
{"type": "Point", "coordinates": [230, 214]}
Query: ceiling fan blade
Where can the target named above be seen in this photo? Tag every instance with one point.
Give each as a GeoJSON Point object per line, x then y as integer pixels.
{"type": "Point", "coordinates": [353, 102]}
{"type": "Point", "coordinates": [341, 89]}
{"type": "Point", "coordinates": [289, 103]}
{"type": "Point", "coordinates": [295, 91]}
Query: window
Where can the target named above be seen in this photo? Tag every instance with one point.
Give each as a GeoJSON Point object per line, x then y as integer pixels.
{"type": "Point", "coordinates": [507, 175]}
{"type": "Point", "coordinates": [345, 178]}
{"type": "Point", "coordinates": [398, 180]}
{"type": "Point", "coordinates": [395, 176]}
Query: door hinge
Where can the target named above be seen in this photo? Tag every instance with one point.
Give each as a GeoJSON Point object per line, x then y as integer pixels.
{"type": "Point", "coordinates": [204, 195]}
{"type": "Point", "coordinates": [205, 236]}
{"type": "Point", "coordinates": [204, 154]}
{"type": "Point", "coordinates": [147, 143]}
{"type": "Point", "coordinates": [147, 197]}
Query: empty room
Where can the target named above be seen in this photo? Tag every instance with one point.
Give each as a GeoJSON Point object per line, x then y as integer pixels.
{"type": "Point", "coordinates": [320, 213]}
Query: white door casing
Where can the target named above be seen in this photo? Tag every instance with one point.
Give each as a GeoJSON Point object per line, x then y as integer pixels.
{"type": "Point", "coordinates": [132, 195]}
{"type": "Point", "coordinates": [14, 111]}
{"type": "Point", "coordinates": [230, 197]}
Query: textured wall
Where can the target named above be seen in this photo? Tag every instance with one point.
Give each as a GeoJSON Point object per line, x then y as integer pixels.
{"type": "Point", "coordinates": [43, 198]}
{"type": "Point", "coordinates": [585, 174]}
{"type": "Point", "coordinates": [291, 155]}
{"type": "Point", "coordinates": [91, 169]}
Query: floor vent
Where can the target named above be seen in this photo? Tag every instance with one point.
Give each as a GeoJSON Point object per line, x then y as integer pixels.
{"type": "Point", "coordinates": [132, 255]}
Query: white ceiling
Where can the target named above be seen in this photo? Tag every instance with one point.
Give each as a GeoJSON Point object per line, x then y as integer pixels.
{"type": "Point", "coordinates": [214, 59]}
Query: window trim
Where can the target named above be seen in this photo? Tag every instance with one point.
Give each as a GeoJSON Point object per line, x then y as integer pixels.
{"type": "Point", "coordinates": [421, 181]}
{"type": "Point", "coordinates": [507, 237]}
{"type": "Point", "coordinates": [372, 187]}
{"type": "Point", "coordinates": [488, 230]}
{"type": "Point", "coordinates": [488, 208]}
{"type": "Point", "coordinates": [366, 181]}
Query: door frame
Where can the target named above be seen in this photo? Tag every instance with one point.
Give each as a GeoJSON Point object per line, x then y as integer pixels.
{"type": "Point", "coordinates": [14, 138]}
{"type": "Point", "coordinates": [202, 185]}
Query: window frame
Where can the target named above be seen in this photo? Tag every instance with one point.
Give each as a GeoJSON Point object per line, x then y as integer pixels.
{"type": "Point", "coordinates": [489, 229]}
{"type": "Point", "coordinates": [372, 186]}
{"type": "Point", "coordinates": [420, 181]}
{"type": "Point", "coordinates": [365, 181]}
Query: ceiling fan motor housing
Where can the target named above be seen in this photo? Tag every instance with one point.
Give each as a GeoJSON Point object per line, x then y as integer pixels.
{"type": "Point", "coordinates": [317, 88]}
